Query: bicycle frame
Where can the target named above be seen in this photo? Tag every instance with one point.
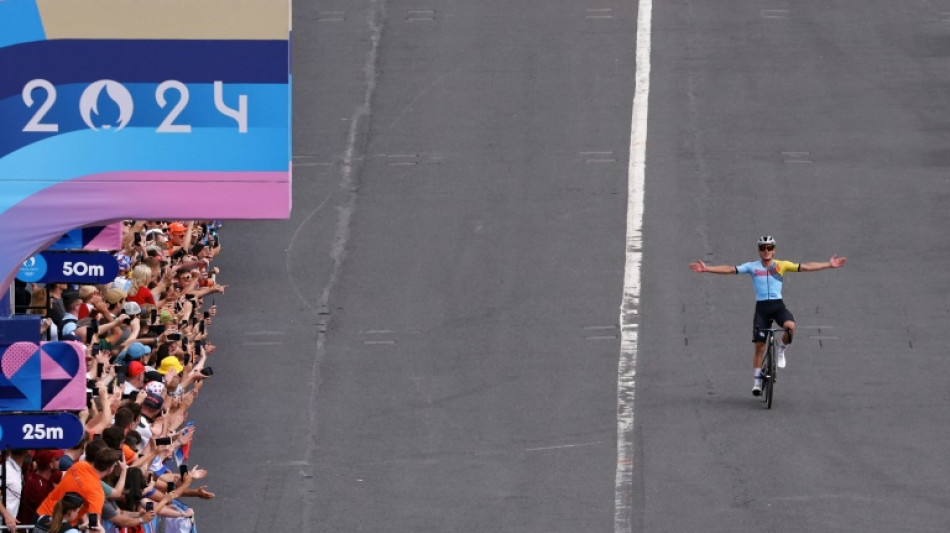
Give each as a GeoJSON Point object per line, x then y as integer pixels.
{"type": "Point", "coordinates": [769, 366]}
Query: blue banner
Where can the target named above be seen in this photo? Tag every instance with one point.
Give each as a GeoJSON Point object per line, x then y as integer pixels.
{"type": "Point", "coordinates": [40, 431]}
{"type": "Point", "coordinates": [69, 267]}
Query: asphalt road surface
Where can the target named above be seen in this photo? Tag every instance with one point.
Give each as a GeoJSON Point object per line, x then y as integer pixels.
{"type": "Point", "coordinates": [431, 342]}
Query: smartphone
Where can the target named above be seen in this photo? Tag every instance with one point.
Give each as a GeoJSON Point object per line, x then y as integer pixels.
{"type": "Point", "coordinates": [174, 336]}
{"type": "Point", "coordinates": [100, 368]}
{"type": "Point", "coordinates": [93, 520]}
{"type": "Point", "coordinates": [95, 349]}
{"type": "Point", "coordinates": [149, 507]}
{"type": "Point", "coordinates": [201, 327]}
{"type": "Point", "coordinates": [91, 330]}
{"type": "Point", "coordinates": [182, 470]}
{"type": "Point", "coordinates": [207, 371]}
{"type": "Point", "coordinates": [199, 345]}
{"type": "Point", "coordinates": [171, 487]}
{"type": "Point", "coordinates": [163, 441]}
{"type": "Point", "coordinates": [138, 238]}
{"type": "Point", "coordinates": [184, 343]}
{"type": "Point", "coordinates": [153, 315]}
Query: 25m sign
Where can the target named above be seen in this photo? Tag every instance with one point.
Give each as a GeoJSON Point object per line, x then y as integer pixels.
{"type": "Point", "coordinates": [172, 96]}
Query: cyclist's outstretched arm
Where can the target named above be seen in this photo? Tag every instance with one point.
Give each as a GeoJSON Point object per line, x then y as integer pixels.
{"type": "Point", "coordinates": [834, 262]}
{"type": "Point", "coordinates": [699, 266]}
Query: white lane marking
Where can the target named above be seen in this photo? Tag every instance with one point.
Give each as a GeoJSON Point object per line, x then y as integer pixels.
{"type": "Point", "coordinates": [345, 209]}
{"type": "Point", "coordinates": [598, 13]}
{"type": "Point", "coordinates": [774, 13]}
{"type": "Point", "coordinates": [420, 15]}
{"type": "Point", "coordinates": [564, 446]}
{"type": "Point", "coordinates": [630, 307]}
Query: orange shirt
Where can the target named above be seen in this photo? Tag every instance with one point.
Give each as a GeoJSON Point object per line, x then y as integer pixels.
{"type": "Point", "coordinates": [81, 478]}
{"type": "Point", "coordinates": [129, 453]}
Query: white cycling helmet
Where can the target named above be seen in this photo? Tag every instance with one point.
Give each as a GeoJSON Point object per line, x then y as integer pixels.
{"type": "Point", "coordinates": [766, 239]}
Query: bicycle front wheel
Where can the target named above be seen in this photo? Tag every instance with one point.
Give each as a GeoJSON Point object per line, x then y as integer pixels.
{"type": "Point", "coordinates": [769, 375]}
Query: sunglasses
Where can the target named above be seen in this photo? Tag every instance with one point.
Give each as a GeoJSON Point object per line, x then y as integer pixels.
{"type": "Point", "coordinates": [766, 247]}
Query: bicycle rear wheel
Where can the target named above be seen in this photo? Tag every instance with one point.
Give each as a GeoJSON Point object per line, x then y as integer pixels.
{"type": "Point", "coordinates": [769, 374]}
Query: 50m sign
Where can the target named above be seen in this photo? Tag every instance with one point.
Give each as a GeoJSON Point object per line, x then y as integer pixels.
{"type": "Point", "coordinates": [172, 95]}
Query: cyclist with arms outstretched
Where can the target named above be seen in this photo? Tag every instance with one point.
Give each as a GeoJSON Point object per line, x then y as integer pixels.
{"type": "Point", "coordinates": [768, 275]}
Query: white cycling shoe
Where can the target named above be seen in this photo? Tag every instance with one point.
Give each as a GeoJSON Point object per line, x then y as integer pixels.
{"type": "Point", "coordinates": [757, 387]}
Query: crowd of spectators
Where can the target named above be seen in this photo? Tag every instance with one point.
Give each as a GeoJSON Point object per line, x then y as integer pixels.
{"type": "Point", "coordinates": [145, 336]}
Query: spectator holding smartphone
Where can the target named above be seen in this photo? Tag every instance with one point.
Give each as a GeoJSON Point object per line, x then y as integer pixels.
{"type": "Point", "coordinates": [63, 514]}
{"type": "Point", "coordinates": [84, 478]}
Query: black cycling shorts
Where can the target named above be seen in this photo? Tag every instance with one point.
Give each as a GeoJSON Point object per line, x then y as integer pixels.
{"type": "Point", "coordinates": [765, 312]}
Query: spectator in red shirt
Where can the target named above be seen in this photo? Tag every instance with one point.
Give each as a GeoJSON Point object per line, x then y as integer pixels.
{"type": "Point", "coordinates": [86, 292]}
{"type": "Point", "coordinates": [39, 483]}
{"type": "Point", "coordinates": [139, 291]}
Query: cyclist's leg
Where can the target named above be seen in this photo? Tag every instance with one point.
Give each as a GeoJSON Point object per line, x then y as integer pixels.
{"type": "Point", "coordinates": [789, 325]}
{"type": "Point", "coordinates": [759, 354]}
{"type": "Point", "coordinates": [760, 322]}
{"type": "Point", "coordinates": [784, 317]}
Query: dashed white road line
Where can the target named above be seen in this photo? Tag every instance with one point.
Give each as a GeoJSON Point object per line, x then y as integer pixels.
{"type": "Point", "coordinates": [630, 306]}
